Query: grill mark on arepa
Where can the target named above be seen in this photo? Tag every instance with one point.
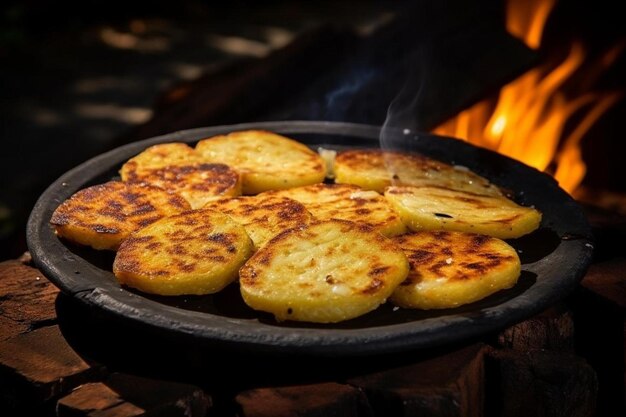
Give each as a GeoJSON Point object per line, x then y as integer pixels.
{"type": "Point", "coordinates": [380, 270]}
{"type": "Point", "coordinates": [373, 287]}
{"type": "Point", "coordinates": [142, 209]}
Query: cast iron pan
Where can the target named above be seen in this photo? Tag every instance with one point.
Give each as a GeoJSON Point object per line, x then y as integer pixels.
{"type": "Point", "coordinates": [554, 259]}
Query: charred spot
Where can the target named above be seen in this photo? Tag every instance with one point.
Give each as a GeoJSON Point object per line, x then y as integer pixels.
{"type": "Point", "coordinates": [218, 168]}
{"type": "Point", "coordinates": [186, 221]}
{"type": "Point", "coordinates": [220, 238]}
{"type": "Point", "coordinates": [177, 250]}
{"type": "Point", "coordinates": [143, 209]}
{"type": "Point", "coordinates": [286, 233]}
{"type": "Point", "coordinates": [363, 211]}
{"type": "Point", "coordinates": [138, 239]}
{"type": "Point", "coordinates": [290, 310]}
{"type": "Point", "coordinates": [290, 210]}
{"type": "Point", "coordinates": [178, 235]}
{"type": "Point", "coordinates": [443, 215]}
{"type": "Point", "coordinates": [329, 279]}
{"type": "Point", "coordinates": [114, 214]}
{"type": "Point", "coordinates": [436, 268]}
{"type": "Point", "coordinates": [460, 276]}
{"type": "Point", "coordinates": [185, 267]}
{"type": "Point", "coordinates": [115, 205]}
{"type": "Point", "coordinates": [201, 229]}
{"type": "Point", "coordinates": [446, 251]}
{"type": "Point", "coordinates": [132, 242]}
{"type": "Point", "coordinates": [248, 276]}
{"type": "Point", "coordinates": [420, 256]}
{"type": "Point", "coordinates": [124, 264]}
{"type": "Point", "coordinates": [153, 245]}
{"type": "Point", "coordinates": [92, 193]}
{"type": "Point", "coordinates": [79, 208]}
{"type": "Point", "coordinates": [395, 177]}
{"type": "Point", "coordinates": [100, 228]}
{"type": "Point", "coordinates": [178, 202]}
{"type": "Point", "coordinates": [480, 267]}
{"type": "Point", "coordinates": [231, 249]}
{"type": "Point", "coordinates": [491, 256]}
{"type": "Point", "coordinates": [208, 251]}
{"type": "Point", "coordinates": [373, 287]}
{"type": "Point", "coordinates": [216, 258]}
{"type": "Point", "coordinates": [147, 221]}
{"type": "Point", "coordinates": [478, 241]}
{"type": "Point", "coordinates": [364, 227]}
{"type": "Point", "coordinates": [380, 270]}
{"type": "Point", "coordinates": [264, 259]}
{"type": "Point", "coordinates": [130, 197]}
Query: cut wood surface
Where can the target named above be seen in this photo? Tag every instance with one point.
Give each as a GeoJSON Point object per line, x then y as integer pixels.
{"type": "Point", "coordinates": [446, 385]}
{"type": "Point", "coordinates": [315, 400]}
{"type": "Point", "coordinates": [26, 298]}
{"type": "Point", "coordinates": [127, 395]}
{"type": "Point", "coordinates": [541, 383]}
{"type": "Point", "coordinates": [553, 329]}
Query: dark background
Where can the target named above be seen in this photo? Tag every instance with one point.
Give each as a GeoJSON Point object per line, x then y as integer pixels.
{"type": "Point", "coordinates": [77, 77]}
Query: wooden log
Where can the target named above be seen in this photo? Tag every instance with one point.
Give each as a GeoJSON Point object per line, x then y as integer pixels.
{"type": "Point", "coordinates": [553, 329]}
{"type": "Point", "coordinates": [540, 383]}
{"type": "Point", "coordinates": [446, 385]}
{"type": "Point", "coordinates": [607, 280]}
{"type": "Point", "coordinates": [38, 367]}
{"type": "Point", "coordinates": [127, 395]}
{"type": "Point", "coordinates": [600, 311]}
{"type": "Point", "coordinates": [26, 296]}
{"type": "Point", "coordinates": [10, 328]}
{"type": "Point", "coordinates": [90, 398]}
{"type": "Point", "coordinates": [315, 400]}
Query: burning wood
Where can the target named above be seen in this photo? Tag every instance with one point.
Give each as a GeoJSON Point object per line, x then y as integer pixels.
{"type": "Point", "coordinates": [527, 122]}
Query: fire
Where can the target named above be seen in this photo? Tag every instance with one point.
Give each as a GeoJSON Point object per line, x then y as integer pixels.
{"type": "Point", "coordinates": [527, 122]}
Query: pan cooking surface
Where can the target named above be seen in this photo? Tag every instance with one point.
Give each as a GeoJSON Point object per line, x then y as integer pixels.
{"type": "Point", "coordinates": [553, 262]}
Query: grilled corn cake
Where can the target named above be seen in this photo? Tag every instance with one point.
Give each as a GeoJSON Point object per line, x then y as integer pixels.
{"type": "Point", "coordinates": [348, 202]}
{"type": "Point", "coordinates": [434, 208]}
{"type": "Point", "coordinates": [103, 215]}
{"type": "Point", "coordinates": [266, 161]}
{"type": "Point", "coordinates": [449, 269]}
{"type": "Point", "coordinates": [198, 183]}
{"type": "Point", "coordinates": [157, 157]}
{"type": "Point", "coordinates": [263, 216]}
{"type": "Point", "coordinates": [195, 252]}
{"type": "Point", "coordinates": [376, 169]}
{"type": "Point", "coordinates": [324, 272]}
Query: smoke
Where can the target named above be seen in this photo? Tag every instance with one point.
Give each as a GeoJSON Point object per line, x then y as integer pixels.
{"type": "Point", "coordinates": [340, 100]}
{"type": "Point", "coordinates": [402, 114]}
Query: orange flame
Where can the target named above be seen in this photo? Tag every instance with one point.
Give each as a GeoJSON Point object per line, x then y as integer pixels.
{"type": "Point", "coordinates": [528, 119]}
